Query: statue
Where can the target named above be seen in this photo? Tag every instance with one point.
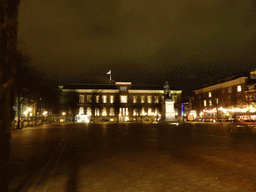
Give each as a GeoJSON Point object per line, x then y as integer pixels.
{"type": "Point", "coordinates": [166, 90]}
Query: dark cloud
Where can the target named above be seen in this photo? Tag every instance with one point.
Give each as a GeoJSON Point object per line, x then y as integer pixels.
{"type": "Point", "coordinates": [131, 37]}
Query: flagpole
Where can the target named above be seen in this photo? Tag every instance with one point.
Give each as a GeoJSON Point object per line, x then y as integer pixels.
{"type": "Point", "coordinates": [110, 76]}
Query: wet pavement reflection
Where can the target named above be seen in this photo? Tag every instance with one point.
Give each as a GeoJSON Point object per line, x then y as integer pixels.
{"type": "Point", "coordinates": [134, 157]}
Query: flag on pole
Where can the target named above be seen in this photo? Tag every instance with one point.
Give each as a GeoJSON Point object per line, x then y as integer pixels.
{"type": "Point", "coordinates": [109, 73]}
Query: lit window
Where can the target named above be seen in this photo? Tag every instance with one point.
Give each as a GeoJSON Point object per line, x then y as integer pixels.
{"type": "Point", "coordinates": [230, 89]}
{"type": "Point", "coordinates": [134, 99]}
{"type": "Point", "coordinates": [124, 111]}
{"type": "Point", "coordinates": [111, 98]}
{"type": "Point", "coordinates": [81, 110]}
{"type": "Point", "coordinates": [135, 113]}
{"type": "Point", "coordinates": [112, 112]}
{"type": "Point", "coordinates": [205, 103]}
{"type": "Point", "coordinates": [97, 112]}
{"type": "Point", "coordinates": [156, 99]}
{"type": "Point", "coordinates": [149, 99]}
{"type": "Point", "coordinates": [123, 98]}
{"type": "Point", "coordinates": [104, 98]}
{"type": "Point", "coordinates": [149, 111]}
{"type": "Point", "coordinates": [89, 98]}
{"type": "Point", "coordinates": [162, 98]}
{"type": "Point", "coordinates": [143, 111]}
{"type": "Point", "coordinates": [217, 100]}
{"type": "Point", "coordinates": [89, 111]}
{"type": "Point", "coordinates": [97, 98]}
{"type": "Point", "coordinates": [239, 88]}
{"type": "Point", "coordinates": [104, 111]}
{"type": "Point", "coordinates": [210, 94]}
{"type": "Point", "coordinates": [210, 102]}
{"type": "Point", "coordinates": [123, 88]}
{"type": "Point", "coordinates": [142, 99]}
{"type": "Point", "coordinates": [81, 98]}
{"type": "Point", "coordinates": [156, 111]}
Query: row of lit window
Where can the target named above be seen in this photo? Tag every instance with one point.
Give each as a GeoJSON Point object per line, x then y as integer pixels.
{"type": "Point", "coordinates": [122, 111]}
{"type": "Point", "coordinates": [210, 102]}
{"type": "Point", "coordinates": [239, 89]}
{"type": "Point", "coordinates": [123, 99]}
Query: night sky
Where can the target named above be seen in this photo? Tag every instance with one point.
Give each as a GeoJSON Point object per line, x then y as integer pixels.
{"type": "Point", "coordinates": [186, 43]}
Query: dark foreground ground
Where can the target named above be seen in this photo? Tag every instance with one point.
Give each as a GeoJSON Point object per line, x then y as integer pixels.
{"type": "Point", "coordinates": [133, 157]}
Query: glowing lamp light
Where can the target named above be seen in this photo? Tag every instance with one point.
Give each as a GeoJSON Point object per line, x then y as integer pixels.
{"type": "Point", "coordinates": [25, 112]}
{"type": "Point", "coordinates": [63, 113]}
{"type": "Point", "coordinates": [252, 109]}
{"type": "Point", "coordinates": [29, 109]}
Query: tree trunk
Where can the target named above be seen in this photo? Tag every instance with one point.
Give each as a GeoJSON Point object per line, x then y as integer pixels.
{"type": "Point", "coordinates": [8, 39]}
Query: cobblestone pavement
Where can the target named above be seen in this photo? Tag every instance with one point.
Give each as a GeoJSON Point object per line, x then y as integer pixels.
{"type": "Point", "coordinates": [133, 157]}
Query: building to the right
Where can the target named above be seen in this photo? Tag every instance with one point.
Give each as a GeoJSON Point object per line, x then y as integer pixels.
{"type": "Point", "coordinates": [230, 98]}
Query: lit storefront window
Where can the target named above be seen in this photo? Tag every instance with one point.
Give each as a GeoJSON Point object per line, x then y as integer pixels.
{"type": "Point", "coordinates": [156, 111]}
{"type": "Point", "coordinates": [104, 112]}
{"type": "Point", "coordinates": [123, 98]}
{"type": "Point", "coordinates": [112, 112]}
{"type": "Point", "coordinates": [134, 112]}
{"type": "Point", "coordinates": [143, 112]}
{"type": "Point", "coordinates": [89, 111]}
{"type": "Point", "coordinates": [81, 98]}
{"type": "Point", "coordinates": [149, 111]}
{"type": "Point", "coordinates": [97, 112]}
{"type": "Point", "coordinates": [81, 110]}
{"type": "Point", "coordinates": [239, 88]}
{"type": "Point", "coordinates": [205, 103]}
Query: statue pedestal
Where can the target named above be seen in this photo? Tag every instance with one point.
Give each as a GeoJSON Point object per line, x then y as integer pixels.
{"type": "Point", "coordinates": [168, 111]}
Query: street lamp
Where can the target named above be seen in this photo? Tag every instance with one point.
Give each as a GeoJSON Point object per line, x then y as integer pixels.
{"type": "Point", "coordinates": [63, 114]}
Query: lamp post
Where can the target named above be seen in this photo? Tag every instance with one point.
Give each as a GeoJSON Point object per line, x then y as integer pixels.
{"type": "Point", "coordinates": [29, 110]}
{"type": "Point", "coordinates": [63, 114]}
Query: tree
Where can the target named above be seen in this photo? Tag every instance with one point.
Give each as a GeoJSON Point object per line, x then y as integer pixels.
{"type": "Point", "coordinates": [69, 101]}
{"type": "Point", "coordinates": [8, 42]}
{"type": "Point", "coordinates": [23, 80]}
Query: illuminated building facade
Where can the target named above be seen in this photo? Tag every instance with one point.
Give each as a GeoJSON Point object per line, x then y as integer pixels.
{"type": "Point", "coordinates": [226, 98]}
{"type": "Point", "coordinates": [121, 101]}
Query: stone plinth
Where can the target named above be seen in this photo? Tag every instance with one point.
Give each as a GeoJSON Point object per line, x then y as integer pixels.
{"type": "Point", "coordinates": [168, 111]}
